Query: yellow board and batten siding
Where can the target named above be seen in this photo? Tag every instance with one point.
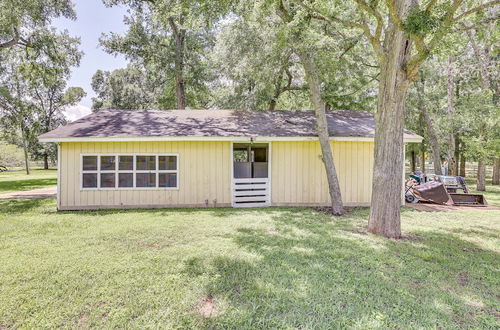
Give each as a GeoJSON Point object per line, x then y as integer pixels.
{"type": "Point", "coordinates": [297, 174]}
{"type": "Point", "coordinates": [204, 174]}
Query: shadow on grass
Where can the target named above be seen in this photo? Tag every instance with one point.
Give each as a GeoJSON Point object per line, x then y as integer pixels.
{"type": "Point", "coordinates": [22, 205]}
{"type": "Point", "coordinates": [480, 231]}
{"type": "Point", "coordinates": [216, 212]}
{"type": "Point", "coordinates": [326, 274]}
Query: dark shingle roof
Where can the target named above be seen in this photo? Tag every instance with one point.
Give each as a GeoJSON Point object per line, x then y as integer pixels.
{"type": "Point", "coordinates": [215, 123]}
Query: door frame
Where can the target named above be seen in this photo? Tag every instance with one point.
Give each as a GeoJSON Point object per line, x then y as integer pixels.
{"type": "Point", "coordinates": [269, 167]}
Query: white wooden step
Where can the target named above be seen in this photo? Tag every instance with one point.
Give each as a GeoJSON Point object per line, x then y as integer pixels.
{"type": "Point", "coordinates": [251, 199]}
{"type": "Point", "coordinates": [250, 193]}
{"type": "Point", "coordinates": [250, 186]}
{"type": "Point", "coordinates": [251, 180]}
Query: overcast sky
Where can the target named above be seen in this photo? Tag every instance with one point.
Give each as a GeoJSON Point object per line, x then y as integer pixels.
{"type": "Point", "coordinates": [93, 19]}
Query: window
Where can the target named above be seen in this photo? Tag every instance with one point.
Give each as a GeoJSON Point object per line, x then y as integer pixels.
{"type": "Point", "coordinates": [167, 168]}
{"type": "Point", "coordinates": [129, 171]}
{"type": "Point", "coordinates": [125, 171]}
{"type": "Point", "coordinates": [89, 172]}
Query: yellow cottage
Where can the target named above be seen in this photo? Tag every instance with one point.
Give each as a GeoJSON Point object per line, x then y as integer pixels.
{"type": "Point", "coordinates": [210, 158]}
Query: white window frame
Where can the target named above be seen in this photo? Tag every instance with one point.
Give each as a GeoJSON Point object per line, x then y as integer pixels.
{"type": "Point", "coordinates": [134, 171]}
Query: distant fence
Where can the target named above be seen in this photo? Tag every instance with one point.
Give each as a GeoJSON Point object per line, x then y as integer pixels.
{"type": "Point", "coordinates": [470, 169]}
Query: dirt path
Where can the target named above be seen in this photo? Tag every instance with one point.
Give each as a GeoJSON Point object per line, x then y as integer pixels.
{"type": "Point", "coordinates": [48, 192]}
{"type": "Point", "coordinates": [428, 207]}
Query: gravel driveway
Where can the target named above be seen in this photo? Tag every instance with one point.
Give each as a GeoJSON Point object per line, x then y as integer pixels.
{"type": "Point", "coordinates": [48, 192]}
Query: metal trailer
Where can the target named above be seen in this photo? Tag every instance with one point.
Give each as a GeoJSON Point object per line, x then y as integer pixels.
{"type": "Point", "coordinates": [442, 190]}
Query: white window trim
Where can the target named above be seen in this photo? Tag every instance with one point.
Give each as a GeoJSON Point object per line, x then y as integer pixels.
{"type": "Point", "coordinates": [134, 171]}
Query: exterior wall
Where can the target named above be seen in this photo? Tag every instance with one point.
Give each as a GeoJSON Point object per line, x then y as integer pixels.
{"type": "Point", "coordinates": [204, 173]}
{"type": "Point", "coordinates": [298, 175]}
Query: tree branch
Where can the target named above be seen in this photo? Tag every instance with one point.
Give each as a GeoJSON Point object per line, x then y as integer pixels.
{"type": "Point", "coordinates": [374, 40]}
{"type": "Point", "coordinates": [447, 22]}
{"type": "Point", "coordinates": [9, 43]}
{"type": "Point", "coordinates": [14, 41]}
{"type": "Point", "coordinates": [359, 88]}
{"type": "Point", "coordinates": [474, 26]}
{"type": "Point", "coordinates": [173, 26]}
{"type": "Point", "coordinates": [477, 9]}
{"type": "Point", "coordinates": [295, 88]}
{"type": "Point", "coordinates": [348, 48]}
{"type": "Point", "coordinates": [375, 13]}
{"type": "Point", "coordinates": [393, 14]}
{"type": "Point", "coordinates": [431, 5]}
{"type": "Point", "coordinates": [423, 49]}
{"type": "Point", "coordinates": [330, 18]}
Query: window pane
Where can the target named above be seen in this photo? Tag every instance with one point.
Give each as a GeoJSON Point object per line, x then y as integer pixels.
{"type": "Point", "coordinates": [167, 163]}
{"type": "Point", "coordinates": [107, 180]}
{"type": "Point", "coordinates": [167, 180]}
{"type": "Point", "coordinates": [240, 155]}
{"type": "Point", "coordinates": [126, 163]}
{"type": "Point", "coordinates": [89, 163]}
{"type": "Point", "coordinates": [145, 180]}
{"type": "Point", "coordinates": [108, 163]}
{"type": "Point", "coordinates": [145, 163]}
{"type": "Point", "coordinates": [89, 180]}
{"type": "Point", "coordinates": [125, 180]}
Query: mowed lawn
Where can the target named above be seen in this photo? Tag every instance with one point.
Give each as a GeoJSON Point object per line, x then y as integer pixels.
{"type": "Point", "coordinates": [492, 193]}
{"type": "Point", "coordinates": [12, 181]}
{"type": "Point", "coordinates": [261, 268]}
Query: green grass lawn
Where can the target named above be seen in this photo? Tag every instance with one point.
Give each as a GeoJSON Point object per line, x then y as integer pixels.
{"type": "Point", "coordinates": [492, 193]}
{"type": "Point", "coordinates": [261, 268]}
{"type": "Point", "coordinates": [12, 181]}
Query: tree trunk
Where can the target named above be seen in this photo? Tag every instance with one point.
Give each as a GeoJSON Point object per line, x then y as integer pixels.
{"type": "Point", "coordinates": [431, 132]}
{"type": "Point", "coordinates": [413, 161]}
{"type": "Point", "coordinates": [180, 89]}
{"type": "Point", "coordinates": [451, 110]}
{"type": "Point", "coordinates": [433, 141]}
{"type": "Point", "coordinates": [482, 58]}
{"type": "Point", "coordinates": [26, 157]}
{"type": "Point", "coordinates": [457, 153]}
{"type": "Point", "coordinates": [496, 171]}
{"type": "Point", "coordinates": [272, 104]}
{"type": "Point", "coordinates": [462, 165]}
{"type": "Point", "coordinates": [180, 35]}
{"type": "Point", "coordinates": [481, 175]}
{"type": "Point", "coordinates": [277, 89]}
{"type": "Point", "coordinates": [45, 162]}
{"type": "Point", "coordinates": [48, 124]}
{"type": "Point", "coordinates": [385, 212]}
{"type": "Point", "coordinates": [322, 130]}
{"type": "Point", "coordinates": [423, 161]}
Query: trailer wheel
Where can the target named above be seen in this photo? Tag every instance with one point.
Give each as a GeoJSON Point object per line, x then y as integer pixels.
{"type": "Point", "coordinates": [411, 199]}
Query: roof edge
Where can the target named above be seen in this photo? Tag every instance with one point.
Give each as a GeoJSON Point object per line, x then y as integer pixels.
{"type": "Point", "coordinates": [406, 139]}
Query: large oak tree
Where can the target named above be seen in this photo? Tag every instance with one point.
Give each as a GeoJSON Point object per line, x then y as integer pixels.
{"type": "Point", "coordinates": [403, 34]}
{"type": "Point", "coordinates": [171, 38]}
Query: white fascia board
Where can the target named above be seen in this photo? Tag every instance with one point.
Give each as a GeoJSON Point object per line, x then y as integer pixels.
{"type": "Point", "coordinates": [213, 138]}
{"type": "Point", "coordinates": [198, 138]}
{"type": "Point", "coordinates": [418, 139]}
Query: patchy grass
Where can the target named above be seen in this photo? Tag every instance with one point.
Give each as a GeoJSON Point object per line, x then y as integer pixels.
{"type": "Point", "coordinates": [261, 268]}
{"type": "Point", "coordinates": [492, 192]}
{"type": "Point", "coordinates": [12, 181]}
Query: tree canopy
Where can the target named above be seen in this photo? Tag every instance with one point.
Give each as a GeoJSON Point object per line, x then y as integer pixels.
{"type": "Point", "coordinates": [35, 63]}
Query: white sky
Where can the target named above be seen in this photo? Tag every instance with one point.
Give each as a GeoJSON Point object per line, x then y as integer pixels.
{"type": "Point", "coordinates": [93, 19]}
